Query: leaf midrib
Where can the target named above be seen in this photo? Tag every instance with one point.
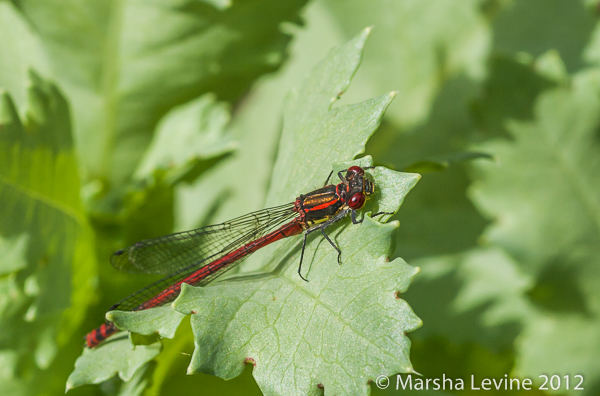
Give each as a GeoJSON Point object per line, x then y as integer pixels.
{"type": "Point", "coordinates": [36, 196]}
{"type": "Point", "coordinates": [109, 84]}
{"type": "Point", "coordinates": [575, 178]}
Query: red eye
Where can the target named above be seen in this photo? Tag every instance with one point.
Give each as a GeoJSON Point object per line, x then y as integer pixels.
{"type": "Point", "coordinates": [356, 169]}
{"type": "Point", "coordinates": [356, 201]}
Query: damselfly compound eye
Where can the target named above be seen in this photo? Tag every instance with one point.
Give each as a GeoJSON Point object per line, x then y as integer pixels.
{"type": "Point", "coordinates": [356, 169]}
{"type": "Point", "coordinates": [356, 201]}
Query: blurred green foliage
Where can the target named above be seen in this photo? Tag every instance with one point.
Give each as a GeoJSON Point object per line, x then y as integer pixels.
{"type": "Point", "coordinates": [126, 120]}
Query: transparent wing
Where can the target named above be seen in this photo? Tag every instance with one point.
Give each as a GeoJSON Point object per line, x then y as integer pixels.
{"type": "Point", "coordinates": [268, 220]}
{"type": "Point", "coordinates": [174, 252]}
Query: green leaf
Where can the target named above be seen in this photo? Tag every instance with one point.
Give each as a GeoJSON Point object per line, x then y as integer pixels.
{"type": "Point", "coordinates": [473, 304]}
{"type": "Point", "coordinates": [122, 74]}
{"type": "Point", "coordinates": [163, 321]}
{"type": "Point", "coordinates": [543, 348]}
{"type": "Point", "coordinates": [21, 50]}
{"type": "Point", "coordinates": [186, 138]}
{"type": "Point", "coordinates": [139, 383]}
{"type": "Point", "coordinates": [48, 259]}
{"type": "Point", "coordinates": [13, 253]}
{"type": "Point", "coordinates": [115, 357]}
{"type": "Point", "coordinates": [340, 330]}
{"type": "Point", "coordinates": [555, 150]}
{"type": "Point", "coordinates": [325, 84]}
{"type": "Point", "coordinates": [444, 161]}
{"type": "Point", "coordinates": [318, 134]}
{"type": "Point", "coordinates": [509, 92]}
{"type": "Point", "coordinates": [544, 195]}
{"type": "Point", "coordinates": [537, 26]}
{"type": "Point", "coordinates": [475, 298]}
{"type": "Point", "coordinates": [415, 47]}
{"type": "Point", "coordinates": [189, 140]}
{"type": "Point", "coordinates": [333, 134]}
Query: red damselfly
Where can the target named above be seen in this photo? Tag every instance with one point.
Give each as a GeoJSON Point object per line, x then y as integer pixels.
{"type": "Point", "coordinates": [198, 256]}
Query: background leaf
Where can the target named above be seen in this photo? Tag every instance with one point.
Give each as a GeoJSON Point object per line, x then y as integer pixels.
{"type": "Point", "coordinates": [124, 74]}
{"type": "Point", "coordinates": [46, 267]}
{"type": "Point", "coordinates": [551, 166]}
{"type": "Point", "coordinates": [432, 41]}
{"type": "Point", "coordinates": [117, 356]}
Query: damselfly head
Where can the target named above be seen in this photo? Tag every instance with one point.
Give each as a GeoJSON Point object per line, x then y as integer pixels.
{"type": "Point", "coordinates": [358, 187]}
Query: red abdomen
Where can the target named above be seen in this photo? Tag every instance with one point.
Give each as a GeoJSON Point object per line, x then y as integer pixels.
{"type": "Point", "coordinates": [96, 336]}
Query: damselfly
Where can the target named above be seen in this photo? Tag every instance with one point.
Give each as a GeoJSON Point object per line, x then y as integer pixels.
{"type": "Point", "coordinates": [198, 256]}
